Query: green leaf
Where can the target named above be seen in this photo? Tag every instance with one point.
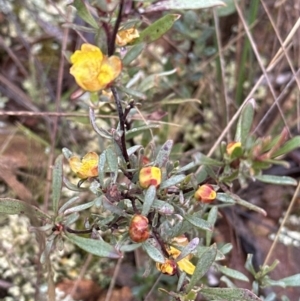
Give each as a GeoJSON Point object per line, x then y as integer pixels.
{"type": "Point", "coordinates": [13, 206]}
{"type": "Point", "coordinates": [80, 207]}
{"type": "Point", "coordinates": [203, 264]}
{"type": "Point", "coordinates": [67, 153]}
{"type": "Point", "coordinates": [226, 248]}
{"type": "Point", "coordinates": [292, 280]}
{"type": "Point", "coordinates": [201, 159]}
{"type": "Point", "coordinates": [229, 294]}
{"type": "Point", "coordinates": [226, 10]}
{"type": "Point", "coordinates": [184, 4]}
{"type": "Point", "coordinates": [150, 196]}
{"type": "Point", "coordinates": [150, 81]}
{"type": "Point", "coordinates": [112, 160]}
{"type": "Point", "coordinates": [157, 29]}
{"type": "Point", "coordinates": [163, 207]}
{"type": "Point", "coordinates": [129, 91]}
{"type": "Point", "coordinates": [133, 53]}
{"type": "Point", "coordinates": [231, 196]}
{"type": "Point", "coordinates": [186, 167]}
{"type": "Point", "coordinates": [172, 181]}
{"type": "Point", "coordinates": [212, 217]}
{"type": "Point", "coordinates": [68, 204]}
{"type": "Point", "coordinates": [101, 167]}
{"type": "Point", "coordinates": [232, 273]}
{"type": "Point", "coordinates": [244, 123]}
{"type": "Point", "coordinates": [57, 180]}
{"type": "Point", "coordinates": [287, 147]}
{"type": "Point", "coordinates": [153, 251]}
{"type": "Point", "coordinates": [136, 131]}
{"type": "Point", "coordinates": [188, 249]}
{"type": "Point", "coordinates": [71, 219]}
{"type": "Point", "coordinates": [84, 13]}
{"type": "Point", "coordinates": [225, 198]}
{"type": "Point", "coordinates": [280, 180]}
{"type": "Point", "coordinates": [130, 248]}
{"type": "Point", "coordinates": [164, 154]}
{"type": "Point", "coordinates": [94, 246]}
{"type": "Point", "coordinates": [198, 222]}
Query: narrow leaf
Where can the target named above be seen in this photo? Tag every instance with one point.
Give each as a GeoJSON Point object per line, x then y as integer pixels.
{"type": "Point", "coordinates": [57, 180]}
{"type": "Point", "coordinates": [203, 264]}
{"type": "Point", "coordinates": [157, 29]}
{"type": "Point", "coordinates": [112, 160]}
{"type": "Point", "coordinates": [80, 207]}
{"type": "Point", "coordinates": [94, 246]}
{"type": "Point", "coordinates": [130, 248]}
{"type": "Point", "coordinates": [292, 280]}
{"type": "Point", "coordinates": [280, 180]}
{"type": "Point", "coordinates": [13, 206]}
{"type": "Point", "coordinates": [244, 123]}
{"type": "Point", "coordinates": [101, 167]}
{"type": "Point", "coordinates": [163, 207]}
{"type": "Point", "coordinates": [198, 222]}
{"type": "Point", "coordinates": [150, 196]}
{"type": "Point", "coordinates": [84, 14]}
{"type": "Point", "coordinates": [136, 131]}
{"type": "Point", "coordinates": [172, 181]}
{"type": "Point", "coordinates": [232, 273]}
{"type": "Point", "coordinates": [133, 53]}
{"type": "Point", "coordinates": [164, 154]}
{"type": "Point", "coordinates": [153, 252]}
{"type": "Point", "coordinates": [212, 217]}
{"type": "Point", "coordinates": [229, 294]}
{"type": "Point", "coordinates": [189, 248]}
{"type": "Point", "coordinates": [186, 4]}
{"type": "Point", "coordinates": [201, 159]}
{"type": "Point", "coordinates": [287, 147]}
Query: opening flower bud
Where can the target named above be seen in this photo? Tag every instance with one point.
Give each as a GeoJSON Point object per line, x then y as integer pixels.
{"type": "Point", "coordinates": [150, 176]}
{"type": "Point", "coordinates": [233, 147]}
{"type": "Point", "coordinates": [205, 193]}
{"type": "Point", "coordinates": [168, 268]}
{"type": "Point", "coordinates": [139, 228]}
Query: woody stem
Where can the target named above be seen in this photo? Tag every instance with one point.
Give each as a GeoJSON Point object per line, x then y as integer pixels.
{"type": "Point", "coordinates": [122, 124]}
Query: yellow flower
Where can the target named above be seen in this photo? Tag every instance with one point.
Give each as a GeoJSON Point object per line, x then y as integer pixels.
{"type": "Point", "coordinates": [126, 36]}
{"type": "Point", "coordinates": [150, 176]}
{"type": "Point", "coordinates": [94, 71]}
{"type": "Point", "coordinates": [87, 167]}
{"type": "Point", "coordinates": [184, 264]}
{"type": "Point", "coordinates": [205, 193]}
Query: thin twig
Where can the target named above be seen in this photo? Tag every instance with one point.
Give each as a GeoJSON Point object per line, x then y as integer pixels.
{"type": "Point", "coordinates": [222, 65]}
{"type": "Point", "coordinates": [113, 280]}
{"type": "Point", "coordinates": [153, 287]}
{"type": "Point", "coordinates": [264, 70]}
{"type": "Point", "coordinates": [287, 214]}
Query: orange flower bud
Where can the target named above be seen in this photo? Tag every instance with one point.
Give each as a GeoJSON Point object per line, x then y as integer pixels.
{"type": "Point", "coordinates": [205, 193]}
{"type": "Point", "coordinates": [139, 228]}
{"type": "Point", "coordinates": [168, 268]}
{"type": "Point", "coordinates": [150, 176]}
{"type": "Point", "coordinates": [94, 71]}
{"type": "Point", "coordinates": [231, 146]}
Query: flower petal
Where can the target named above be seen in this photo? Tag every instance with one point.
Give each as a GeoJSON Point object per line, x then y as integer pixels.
{"type": "Point", "coordinates": [186, 266]}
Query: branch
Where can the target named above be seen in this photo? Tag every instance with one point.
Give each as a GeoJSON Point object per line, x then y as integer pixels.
{"type": "Point", "coordinates": [122, 124]}
{"type": "Point", "coordinates": [111, 46]}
